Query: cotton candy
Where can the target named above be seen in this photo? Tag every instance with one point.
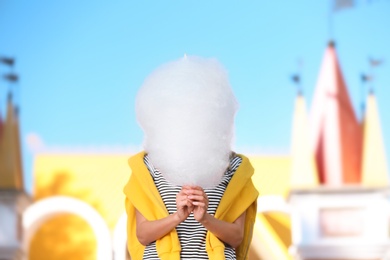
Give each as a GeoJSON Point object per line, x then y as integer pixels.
{"type": "Point", "coordinates": [186, 109]}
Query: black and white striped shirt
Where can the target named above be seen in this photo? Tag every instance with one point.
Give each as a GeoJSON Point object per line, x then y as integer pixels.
{"type": "Point", "coordinates": [192, 234]}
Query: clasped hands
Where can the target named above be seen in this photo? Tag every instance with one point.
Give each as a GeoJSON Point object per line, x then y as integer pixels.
{"type": "Point", "coordinates": [192, 199]}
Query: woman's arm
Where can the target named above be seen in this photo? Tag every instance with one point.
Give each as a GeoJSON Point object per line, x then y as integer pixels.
{"type": "Point", "coordinates": [230, 233]}
{"type": "Point", "coordinates": [149, 231]}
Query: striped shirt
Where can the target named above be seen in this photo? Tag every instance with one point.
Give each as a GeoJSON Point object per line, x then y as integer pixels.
{"type": "Point", "coordinates": [192, 234]}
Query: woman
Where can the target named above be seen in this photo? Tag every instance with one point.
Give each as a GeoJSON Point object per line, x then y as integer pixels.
{"type": "Point", "coordinates": [189, 196]}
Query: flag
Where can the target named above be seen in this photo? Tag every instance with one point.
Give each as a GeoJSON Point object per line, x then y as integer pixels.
{"type": "Point", "coordinates": [375, 62]}
{"type": "Point", "coordinates": [11, 77]}
{"type": "Point", "coordinates": [366, 77]}
{"type": "Point", "coordinates": [339, 5]}
{"type": "Point", "coordinates": [295, 78]}
{"type": "Point", "coordinates": [7, 61]}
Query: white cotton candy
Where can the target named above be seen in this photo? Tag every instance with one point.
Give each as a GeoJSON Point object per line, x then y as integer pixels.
{"type": "Point", "coordinates": [186, 109]}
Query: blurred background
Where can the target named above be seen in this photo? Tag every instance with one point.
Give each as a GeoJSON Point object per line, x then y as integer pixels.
{"type": "Point", "coordinates": [70, 71]}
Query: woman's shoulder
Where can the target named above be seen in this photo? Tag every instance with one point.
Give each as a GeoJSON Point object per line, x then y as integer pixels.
{"type": "Point", "coordinates": [234, 162]}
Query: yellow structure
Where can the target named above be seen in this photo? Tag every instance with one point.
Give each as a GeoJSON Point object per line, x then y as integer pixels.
{"type": "Point", "coordinates": [10, 157]}
{"type": "Point", "coordinates": [303, 169]}
{"type": "Point", "coordinates": [272, 236]}
{"type": "Point", "coordinates": [13, 198]}
{"type": "Point", "coordinates": [374, 165]}
{"type": "Point", "coordinates": [99, 179]}
{"type": "Point", "coordinates": [95, 179]}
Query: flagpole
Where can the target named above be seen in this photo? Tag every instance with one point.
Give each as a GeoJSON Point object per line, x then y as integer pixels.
{"type": "Point", "coordinates": [330, 21]}
{"type": "Point", "coordinates": [11, 78]}
{"type": "Point", "coordinates": [364, 78]}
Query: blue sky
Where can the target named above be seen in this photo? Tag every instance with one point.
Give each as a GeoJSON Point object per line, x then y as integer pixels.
{"type": "Point", "coordinates": [82, 62]}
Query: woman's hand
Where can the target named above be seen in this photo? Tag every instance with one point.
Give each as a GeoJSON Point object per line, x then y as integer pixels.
{"type": "Point", "coordinates": [183, 205]}
{"type": "Point", "coordinates": [149, 231]}
{"type": "Point", "coordinates": [230, 233]}
{"type": "Point", "coordinates": [199, 200]}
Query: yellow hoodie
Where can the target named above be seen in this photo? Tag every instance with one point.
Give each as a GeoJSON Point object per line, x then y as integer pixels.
{"type": "Point", "coordinates": [141, 193]}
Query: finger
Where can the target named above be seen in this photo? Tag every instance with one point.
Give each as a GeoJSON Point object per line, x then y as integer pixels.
{"type": "Point", "coordinates": [182, 202]}
{"type": "Point", "coordinates": [197, 192]}
{"type": "Point", "coordinates": [189, 203]}
{"type": "Point", "coordinates": [199, 204]}
{"type": "Point", "coordinates": [181, 205]}
{"type": "Point", "coordinates": [183, 192]}
{"type": "Point", "coordinates": [181, 196]}
{"type": "Point", "coordinates": [186, 189]}
{"type": "Point", "coordinates": [198, 198]}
